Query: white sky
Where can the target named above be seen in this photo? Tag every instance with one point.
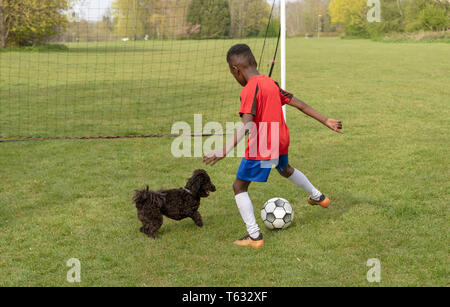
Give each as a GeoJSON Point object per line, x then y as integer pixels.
{"type": "Point", "coordinates": [92, 9]}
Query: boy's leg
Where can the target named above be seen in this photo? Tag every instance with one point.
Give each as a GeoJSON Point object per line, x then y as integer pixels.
{"type": "Point", "coordinates": [299, 179]}
{"type": "Point", "coordinates": [245, 206]}
{"type": "Point", "coordinates": [249, 171]}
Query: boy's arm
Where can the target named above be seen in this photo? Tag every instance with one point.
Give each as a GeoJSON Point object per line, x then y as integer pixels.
{"type": "Point", "coordinates": [333, 124]}
{"type": "Point", "coordinates": [215, 156]}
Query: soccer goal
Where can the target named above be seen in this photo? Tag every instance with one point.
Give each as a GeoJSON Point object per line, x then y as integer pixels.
{"type": "Point", "coordinates": [117, 68]}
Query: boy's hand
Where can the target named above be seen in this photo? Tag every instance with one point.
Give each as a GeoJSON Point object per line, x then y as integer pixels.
{"type": "Point", "coordinates": [213, 157]}
{"type": "Point", "coordinates": [335, 125]}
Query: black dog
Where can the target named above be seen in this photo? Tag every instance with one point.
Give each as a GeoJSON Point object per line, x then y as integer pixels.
{"type": "Point", "coordinates": [176, 204]}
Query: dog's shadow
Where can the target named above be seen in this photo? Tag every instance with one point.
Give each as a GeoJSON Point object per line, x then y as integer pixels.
{"type": "Point", "coordinates": [170, 227]}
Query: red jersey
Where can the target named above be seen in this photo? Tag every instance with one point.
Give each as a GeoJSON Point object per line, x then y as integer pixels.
{"type": "Point", "coordinates": [269, 134]}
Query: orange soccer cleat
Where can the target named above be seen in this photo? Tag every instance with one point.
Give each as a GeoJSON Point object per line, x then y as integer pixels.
{"type": "Point", "coordinates": [248, 241]}
{"type": "Point", "coordinates": [323, 201]}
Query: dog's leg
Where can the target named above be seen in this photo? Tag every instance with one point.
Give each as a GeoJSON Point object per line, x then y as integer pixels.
{"type": "Point", "coordinates": [149, 231]}
{"type": "Point", "coordinates": [153, 224]}
{"type": "Point", "coordinates": [151, 234]}
{"type": "Point", "coordinates": [197, 219]}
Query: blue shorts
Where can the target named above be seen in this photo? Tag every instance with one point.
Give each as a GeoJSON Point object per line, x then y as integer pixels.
{"type": "Point", "coordinates": [259, 171]}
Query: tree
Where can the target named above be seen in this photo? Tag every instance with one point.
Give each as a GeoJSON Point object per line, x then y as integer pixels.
{"type": "Point", "coordinates": [397, 16]}
{"type": "Point", "coordinates": [168, 19]}
{"type": "Point", "coordinates": [303, 17]}
{"type": "Point", "coordinates": [351, 13]}
{"type": "Point", "coordinates": [344, 11]}
{"type": "Point", "coordinates": [249, 18]}
{"type": "Point", "coordinates": [132, 17]}
{"type": "Point", "coordinates": [213, 17]}
{"type": "Point", "coordinates": [108, 20]}
{"type": "Point", "coordinates": [426, 15]}
{"type": "Point", "coordinates": [194, 12]}
{"type": "Point", "coordinates": [155, 18]}
{"type": "Point", "coordinates": [434, 18]}
{"type": "Point", "coordinates": [31, 22]}
{"type": "Point", "coordinates": [392, 19]}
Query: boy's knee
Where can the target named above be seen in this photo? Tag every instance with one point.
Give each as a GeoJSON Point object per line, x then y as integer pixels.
{"type": "Point", "coordinates": [239, 187]}
{"type": "Point", "coordinates": [234, 187]}
{"type": "Point", "coordinates": [287, 171]}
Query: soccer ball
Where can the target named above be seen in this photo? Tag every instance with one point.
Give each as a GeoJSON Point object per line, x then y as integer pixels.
{"type": "Point", "coordinates": [277, 213]}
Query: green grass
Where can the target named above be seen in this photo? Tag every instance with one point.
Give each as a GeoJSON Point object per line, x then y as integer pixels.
{"type": "Point", "coordinates": [388, 178]}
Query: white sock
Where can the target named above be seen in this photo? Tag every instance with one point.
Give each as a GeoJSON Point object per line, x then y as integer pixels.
{"type": "Point", "coordinates": [245, 207]}
{"type": "Point", "coordinates": [300, 180]}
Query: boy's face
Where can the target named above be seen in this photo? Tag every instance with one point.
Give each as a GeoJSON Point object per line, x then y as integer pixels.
{"type": "Point", "coordinates": [236, 72]}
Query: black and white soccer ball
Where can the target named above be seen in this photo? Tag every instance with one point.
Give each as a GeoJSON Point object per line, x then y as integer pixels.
{"type": "Point", "coordinates": [277, 213]}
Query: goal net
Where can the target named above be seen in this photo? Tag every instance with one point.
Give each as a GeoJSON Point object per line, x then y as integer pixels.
{"type": "Point", "coordinates": [132, 67]}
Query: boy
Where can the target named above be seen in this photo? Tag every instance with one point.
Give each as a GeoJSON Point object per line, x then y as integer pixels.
{"type": "Point", "coordinates": [261, 111]}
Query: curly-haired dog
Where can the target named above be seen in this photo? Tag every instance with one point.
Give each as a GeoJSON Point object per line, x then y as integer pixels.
{"type": "Point", "coordinates": [176, 204]}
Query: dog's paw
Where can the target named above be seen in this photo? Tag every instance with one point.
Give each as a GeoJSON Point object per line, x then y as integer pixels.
{"type": "Point", "coordinates": [148, 233]}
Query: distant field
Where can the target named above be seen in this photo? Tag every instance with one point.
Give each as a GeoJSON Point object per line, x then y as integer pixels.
{"type": "Point", "coordinates": [388, 176]}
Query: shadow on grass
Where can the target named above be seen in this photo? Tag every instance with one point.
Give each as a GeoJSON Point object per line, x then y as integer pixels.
{"type": "Point", "coordinates": [111, 49]}
{"type": "Point", "coordinates": [340, 205]}
{"type": "Point", "coordinates": [43, 48]}
{"type": "Point", "coordinates": [81, 48]}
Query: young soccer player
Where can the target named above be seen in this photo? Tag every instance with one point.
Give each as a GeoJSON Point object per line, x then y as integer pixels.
{"type": "Point", "coordinates": [262, 114]}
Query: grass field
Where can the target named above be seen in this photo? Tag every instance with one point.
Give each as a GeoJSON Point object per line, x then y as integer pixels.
{"type": "Point", "coordinates": [388, 178]}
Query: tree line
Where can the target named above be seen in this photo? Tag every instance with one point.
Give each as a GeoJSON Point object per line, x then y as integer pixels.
{"type": "Point", "coordinates": [396, 16]}
{"type": "Point", "coordinates": [196, 19]}
{"type": "Point", "coordinates": [33, 22]}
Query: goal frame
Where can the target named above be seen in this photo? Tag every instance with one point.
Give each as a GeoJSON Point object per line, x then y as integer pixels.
{"type": "Point", "coordinates": [283, 47]}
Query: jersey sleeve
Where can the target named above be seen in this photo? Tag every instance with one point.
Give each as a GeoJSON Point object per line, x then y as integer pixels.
{"type": "Point", "coordinates": [285, 96]}
{"type": "Point", "coordinates": [249, 100]}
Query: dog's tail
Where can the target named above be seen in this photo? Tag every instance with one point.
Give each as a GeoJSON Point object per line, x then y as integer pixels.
{"type": "Point", "coordinates": [146, 197]}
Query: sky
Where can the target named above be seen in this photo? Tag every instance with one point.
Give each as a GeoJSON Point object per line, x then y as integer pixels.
{"type": "Point", "coordinates": [92, 10]}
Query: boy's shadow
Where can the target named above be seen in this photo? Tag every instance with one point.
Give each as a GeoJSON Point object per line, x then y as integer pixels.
{"type": "Point", "coordinates": [340, 205]}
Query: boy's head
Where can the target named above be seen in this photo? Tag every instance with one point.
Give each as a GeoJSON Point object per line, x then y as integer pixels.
{"type": "Point", "coordinates": [241, 59]}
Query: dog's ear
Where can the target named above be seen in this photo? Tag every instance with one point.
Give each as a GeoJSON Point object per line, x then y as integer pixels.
{"type": "Point", "coordinates": [198, 179]}
{"type": "Point", "coordinates": [194, 184]}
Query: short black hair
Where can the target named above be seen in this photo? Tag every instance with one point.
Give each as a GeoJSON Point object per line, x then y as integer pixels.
{"type": "Point", "coordinates": [244, 51]}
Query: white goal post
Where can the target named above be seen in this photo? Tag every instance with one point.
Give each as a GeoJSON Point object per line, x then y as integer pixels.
{"type": "Point", "coordinates": [283, 47]}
